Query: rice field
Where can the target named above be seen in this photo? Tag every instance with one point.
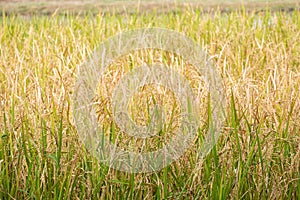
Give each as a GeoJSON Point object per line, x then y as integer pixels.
{"type": "Point", "coordinates": [256, 157]}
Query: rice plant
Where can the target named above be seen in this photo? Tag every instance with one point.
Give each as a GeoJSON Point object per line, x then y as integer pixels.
{"type": "Point", "coordinates": [256, 157]}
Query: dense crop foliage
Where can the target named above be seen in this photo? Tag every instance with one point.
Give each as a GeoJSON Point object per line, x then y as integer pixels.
{"type": "Point", "coordinates": [257, 156]}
